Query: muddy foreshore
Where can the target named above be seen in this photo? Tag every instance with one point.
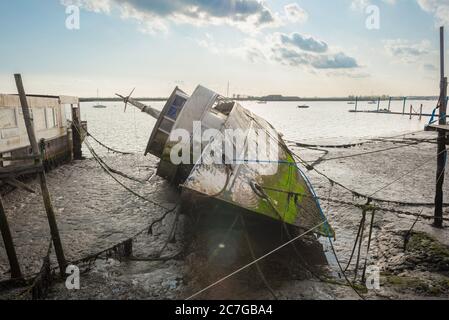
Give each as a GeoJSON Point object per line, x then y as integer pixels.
{"type": "Point", "coordinates": [95, 213]}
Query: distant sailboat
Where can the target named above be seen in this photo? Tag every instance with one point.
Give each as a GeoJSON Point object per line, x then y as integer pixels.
{"type": "Point", "coordinates": [99, 106]}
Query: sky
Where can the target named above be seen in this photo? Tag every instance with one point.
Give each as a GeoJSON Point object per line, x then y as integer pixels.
{"type": "Point", "coordinates": [307, 48]}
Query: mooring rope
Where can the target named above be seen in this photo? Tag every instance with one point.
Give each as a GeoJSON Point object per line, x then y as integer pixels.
{"type": "Point", "coordinates": [357, 205]}
{"type": "Point", "coordinates": [361, 154]}
{"type": "Point", "coordinates": [360, 195]}
{"type": "Point", "coordinates": [253, 256]}
{"type": "Point", "coordinates": [255, 261]}
{"type": "Point", "coordinates": [106, 147]}
{"type": "Point", "coordinates": [356, 144]}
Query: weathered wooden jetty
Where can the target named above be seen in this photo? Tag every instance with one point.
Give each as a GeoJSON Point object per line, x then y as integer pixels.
{"type": "Point", "coordinates": [35, 135]}
{"type": "Point", "coordinates": [420, 114]}
{"type": "Point", "coordinates": [52, 128]}
{"type": "Point", "coordinates": [440, 125]}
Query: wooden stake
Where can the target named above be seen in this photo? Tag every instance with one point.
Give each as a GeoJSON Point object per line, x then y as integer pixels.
{"type": "Point", "coordinates": [442, 152]}
{"type": "Point", "coordinates": [9, 244]}
{"type": "Point", "coordinates": [76, 136]}
{"type": "Point", "coordinates": [389, 104]}
{"type": "Point", "coordinates": [378, 104]}
{"type": "Point", "coordinates": [420, 112]}
{"type": "Point", "coordinates": [403, 106]}
{"type": "Point", "coordinates": [42, 178]}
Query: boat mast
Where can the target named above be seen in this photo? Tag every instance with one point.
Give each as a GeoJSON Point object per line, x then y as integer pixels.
{"type": "Point", "coordinates": [142, 107]}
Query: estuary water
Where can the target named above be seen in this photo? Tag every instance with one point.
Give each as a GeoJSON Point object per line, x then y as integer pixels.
{"type": "Point", "coordinates": [323, 122]}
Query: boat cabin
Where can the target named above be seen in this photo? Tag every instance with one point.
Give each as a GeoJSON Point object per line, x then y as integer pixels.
{"type": "Point", "coordinates": [50, 124]}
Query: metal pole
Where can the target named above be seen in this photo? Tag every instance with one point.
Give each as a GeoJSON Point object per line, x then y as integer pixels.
{"type": "Point", "coordinates": [9, 244]}
{"type": "Point", "coordinates": [442, 153]}
{"type": "Point", "coordinates": [42, 178]}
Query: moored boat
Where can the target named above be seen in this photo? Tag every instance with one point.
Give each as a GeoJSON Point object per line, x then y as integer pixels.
{"type": "Point", "coordinates": [266, 184]}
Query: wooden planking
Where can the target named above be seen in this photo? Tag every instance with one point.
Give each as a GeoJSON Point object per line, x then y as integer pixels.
{"type": "Point", "coordinates": [437, 127]}
{"type": "Point", "coordinates": [396, 113]}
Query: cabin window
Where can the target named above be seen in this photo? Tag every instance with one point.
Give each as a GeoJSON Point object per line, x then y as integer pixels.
{"type": "Point", "coordinates": [176, 107]}
{"type": "Point", "coordinates": [50, 118]}
{"type": "Point", "coordinates": [39, 119]}
{"type": "Point", "coordinates": [8, 123]}
{"type": "Point", "coordinates": [166, 125]}
{"type": "Point", "coordinates": [8, 118]}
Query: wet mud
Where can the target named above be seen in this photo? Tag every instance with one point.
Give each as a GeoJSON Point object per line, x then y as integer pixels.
{"type": "Point", "coordinates": [94, 213]}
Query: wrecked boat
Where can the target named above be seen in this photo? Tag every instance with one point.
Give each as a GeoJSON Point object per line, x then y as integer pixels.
{"type": "Point", "coordinates": [222, 175]}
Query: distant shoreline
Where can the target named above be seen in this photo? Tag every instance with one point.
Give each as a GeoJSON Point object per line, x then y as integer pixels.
{"type": "Point", "coordinates": [277, 99]}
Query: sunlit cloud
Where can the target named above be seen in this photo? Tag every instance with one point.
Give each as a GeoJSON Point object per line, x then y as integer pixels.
{"type": "Point", "coordinates": [295, 13]}
{"type": "Point", "coordinates": [407, 51]}
{"type": "Point", "coordinates": [154, 16]}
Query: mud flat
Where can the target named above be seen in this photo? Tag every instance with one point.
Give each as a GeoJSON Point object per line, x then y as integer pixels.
{"type": "Point", "coordinates": [94, 213]}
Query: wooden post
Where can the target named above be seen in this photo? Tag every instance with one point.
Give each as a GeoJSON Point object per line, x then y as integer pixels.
{"type": "Point", "coordinates": [356, 102]}
{"type": "Point", "coordinates": [411, 108]}
{"type": "Point", "coordinates": [442, 152]}
{"type": "Point", "coordinates": [42, 178]}
{"type": "Point", "coordinates": [420, 112]}
{"type": "Point", "coordinates": [378, 104]}
{"type": "Point", "coordinates": [128, 248]}
{"type": "Point", "coordinates": [389, 104]}
{"type": "Point", "coordinates": [403, 106]}
{"type": "Point", "coordinates": [9, 244]}
{"type": "Point", "coordinates": [76, 136]}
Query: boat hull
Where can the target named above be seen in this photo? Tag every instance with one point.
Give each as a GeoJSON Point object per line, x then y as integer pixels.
{"type": "Point", "coordinates": [271, 187]}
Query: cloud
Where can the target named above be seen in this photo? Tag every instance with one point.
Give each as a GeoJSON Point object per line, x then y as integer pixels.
{"type": "Point", "coordinates": [295, 13]}
{"type": "Point", "coordinates": [439, 8]}
{"type": "Point", "coordinates": [305, 51]}
{"type": "Point", "coordinates": [305, 43]}
{"type": "Point", "coordinates": [98, 6]}
{"type": "Point", "coordinates": [281, 48]}
{"type": "Point", "coordinates": [407, 51]}
{"type": "Point", "coordinates": [361, 5]}
{"type": "Point", "coordinates": [429, 67]}
{"type": "Point", "coordinates": [295, 58]}
{"type": "Point", "coordinates": [334, 61]}
{"type": "Point", "coordinates": [155, 15]}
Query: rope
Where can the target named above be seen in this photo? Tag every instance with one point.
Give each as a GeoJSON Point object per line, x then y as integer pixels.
{"type": "Point", "coordinates": [255, 261]}
{"type": "Point", "coordinates": [357, 205]}
{"type": "Point", "coordinates": [253, 256]}
{"type": "Point", "coordinates": [114, 247]}
{"type": "Point", "coordinates": [362, 154]}
{"type": "Point", "coordinates": [356, 144]}
{"type": "Point", "coordinates": [101, 143]}
{"type": "Point", "coordinates": [408, 172]}
{"type": "Point", "coordinates": [123, 185]}
{"type": "Point", "coordinates": [360, 195]}
{"type": "Point", "coordinates": [343, 272]}
{"type": "Point", "coordinates": [120, 173]}
{"type": "Point", "coordinates": [42, 281]}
